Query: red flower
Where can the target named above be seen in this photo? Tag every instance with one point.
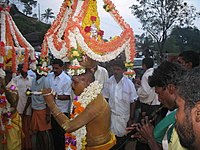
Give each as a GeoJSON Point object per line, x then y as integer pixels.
{"type": "Point", "coordinates": [8, 8]}
{"type": "Point", "coordinates": [93, 18]}
{"type": "Point", "coordinates": [2, 44]}
{"type": "Point", "coordinates": [87, 29]}
{"type": "Point", "coordinates": [101, 32]}
{"type": "Point", "coordinates": [1, 8]}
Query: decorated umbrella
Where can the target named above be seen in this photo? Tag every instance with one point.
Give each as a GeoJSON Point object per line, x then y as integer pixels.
{"type": "Point", "coordinates": [76, 32]}
{"type": "Point", "coordinates": [14, 48]}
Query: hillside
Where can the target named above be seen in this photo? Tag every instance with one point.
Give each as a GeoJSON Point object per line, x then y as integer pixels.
{"type": "Point", "coordinates": [32, 29]}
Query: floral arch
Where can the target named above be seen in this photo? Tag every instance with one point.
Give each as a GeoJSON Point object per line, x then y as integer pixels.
{"type": "Point", "coordinates": [77, 27]}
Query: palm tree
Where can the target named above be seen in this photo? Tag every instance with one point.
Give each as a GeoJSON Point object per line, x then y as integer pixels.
{"type": "Point", "coordinates": [48, 15]}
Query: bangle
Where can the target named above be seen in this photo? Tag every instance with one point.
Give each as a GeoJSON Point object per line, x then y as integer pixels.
{"type": "Point", "coordinates": [55, 115]}
{"type": "Point", "coordinates": [47, 93]}
{"type": "Point", "coordinates": [52, 92]}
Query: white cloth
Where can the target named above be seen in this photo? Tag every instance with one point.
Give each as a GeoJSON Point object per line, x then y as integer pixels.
{"type": "Point", "coordinates": [101, 74]}
{"type": "Point", "coordinates": [120, 96]}
{"type": "Point", "coordinates": [31, 73]}
{"type": "Point", "coordinates": [146, 93]}
{"type": "Point", "coordinates": [22, 85]}
{"type": "Point", "coordinates": [62, 86]}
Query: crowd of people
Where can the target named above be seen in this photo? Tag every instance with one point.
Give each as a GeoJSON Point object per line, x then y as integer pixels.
{"type": "Point", "coordinates": [41, 108]}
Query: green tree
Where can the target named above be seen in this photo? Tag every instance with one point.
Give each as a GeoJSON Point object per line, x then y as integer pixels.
{"type": "Point", "coordinates": [158, 17]}
{"type": "Point", "coordinates": [186, 38]}
{"type": "Point", "coordinates": [28, 6]}
{"type": "Point", "coordinates": [48, 15]}
{"type": "Point", "coordinates": [145, 44]}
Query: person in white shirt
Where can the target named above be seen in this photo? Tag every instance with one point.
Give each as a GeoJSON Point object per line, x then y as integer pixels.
{"type": "Point", "coordinates": [147, 96]}
{"type": "Point", "coordinates": [60, 82]}
{"type": "Point", "coordinates": [24, 82]}
{"type": "Point", "coordinates": [100, 73]}
{"type": "Point", "coordinates": [121, 95]}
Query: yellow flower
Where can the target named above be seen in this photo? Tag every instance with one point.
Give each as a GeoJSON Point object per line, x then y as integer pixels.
{"type": "Point", "coordinates": [75, 54]}
{"type": "Point", "coordinates": [128, 64]}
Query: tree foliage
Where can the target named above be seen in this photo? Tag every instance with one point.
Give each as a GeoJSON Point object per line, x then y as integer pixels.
{"type": "Point", "coordinates": [48, 15]}
{"type": "Point", "coordinates": [28, 6]}
{"type": "Point", "coordinates": [158, 17]}
{"type": "Point", "coordinates": [145, 44]}
{"type": "Point", "coordinates": [186, 39]}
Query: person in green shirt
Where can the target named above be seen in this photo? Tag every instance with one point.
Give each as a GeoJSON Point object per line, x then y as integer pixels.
{"type": "Point", "coordinates": [165, 79]}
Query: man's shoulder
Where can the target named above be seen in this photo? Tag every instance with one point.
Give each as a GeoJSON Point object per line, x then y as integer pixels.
{"type": "Point", "coordinates": [102, 69]}
{"type": "Point", "coordinates": [65, 76]}
{"type": "Point", "coordinates": [111, 79]}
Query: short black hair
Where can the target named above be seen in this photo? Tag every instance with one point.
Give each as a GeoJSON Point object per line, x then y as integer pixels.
{"type": "Point", "coordinates": [20, 67]}
{"type": "Point", "coordinates": [189, 87]}
{"type": "Point", "coordinates": [148, 62]}
{"type": "Point", "coordinates": [58, 62]}
{"type": "Point", "coordinates": [190, 56]}
{"type": "Point", "coordinates": [166, 73]}
{"type": "Point", "coordinates": [118, 62]}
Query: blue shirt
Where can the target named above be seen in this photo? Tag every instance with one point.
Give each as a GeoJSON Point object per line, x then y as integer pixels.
{"type": "Point", "coordinates": [38, 102]}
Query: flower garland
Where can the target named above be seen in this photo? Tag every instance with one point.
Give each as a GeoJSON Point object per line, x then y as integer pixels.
{"type": "Point", "coordinates": [75, 56]}
{"type": "Point", "coordinates": [42, 68]}
{"type": "Point", "coordinates": [14, 40]}
{"type": "Point", "coordinates": [100, 48]}
{"type": "Point", "coordinates": [5, 117]}
{"type": "Point", "coordinates": [130, 72]}
{"type": "Point", "coordinates": [77, 139]}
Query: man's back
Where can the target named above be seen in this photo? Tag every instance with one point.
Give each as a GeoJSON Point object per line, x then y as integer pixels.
{"type": "Point", "coordinates": [100, 111]}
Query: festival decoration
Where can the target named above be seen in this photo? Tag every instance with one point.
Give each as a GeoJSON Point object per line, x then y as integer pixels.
{"type": "Point", "coordinates": [130, 73]}
{"type": "Point", "coordinates": [13, 45]}
{"type": "Point", "coordinates": [77, 26]}
{"type": "Point", "coordinates": [5, 110]}
{"type": "Point", "coordinates": [75, 33]}
{"type": "Point", "coordinates": [42, 66]}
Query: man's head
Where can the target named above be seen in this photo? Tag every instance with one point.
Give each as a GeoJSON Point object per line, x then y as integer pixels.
{"type": "Point", "coordinates": [188, 59]}
{"type": "Point", "coordinates": [165, 79]}
{"type": "Point", "coordinates": [21, 71]}
{"type": "Point", "coordinates": [80, 82]}
{"type": "Point", "coordinates": [188, 112]}
{"type": "Point", "coordinates": [89, 63]}
{"type": "Point", "coordinates": [147, 63]}
{"type": "Point", "coordinates": [118, 68]}
{"type": "Point", "coordinates": [57, 66]}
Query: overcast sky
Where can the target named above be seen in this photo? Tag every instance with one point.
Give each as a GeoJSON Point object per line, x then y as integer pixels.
{"type": "Point", "coordinates": [107, 23]}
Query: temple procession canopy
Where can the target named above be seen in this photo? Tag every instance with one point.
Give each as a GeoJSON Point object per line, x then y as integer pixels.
{"type": "Point", "coordinates": [14, 48]}
{"type": "Point", "coordinates": [76, 32]}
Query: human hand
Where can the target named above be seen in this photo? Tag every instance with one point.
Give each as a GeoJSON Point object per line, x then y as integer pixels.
{"type": "Point", "coordinates": [145, 129]}
{"type": "Point", "coordinates": [131, 127]}
{"type": "Point", "coordinates": [130, 122]}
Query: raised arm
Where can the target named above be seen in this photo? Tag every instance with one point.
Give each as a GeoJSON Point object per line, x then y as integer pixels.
{"type": "Point", "coordinates": [70, 125]}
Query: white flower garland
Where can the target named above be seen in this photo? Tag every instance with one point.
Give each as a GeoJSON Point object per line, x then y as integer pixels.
{"type": "Point", "coordinates": [88, 95]}
{"type": "Point", "coordinates": [75, 37]}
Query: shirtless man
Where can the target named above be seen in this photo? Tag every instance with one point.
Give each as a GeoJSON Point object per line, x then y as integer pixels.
{"type": "Point", "coordinates": [95, 116]}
